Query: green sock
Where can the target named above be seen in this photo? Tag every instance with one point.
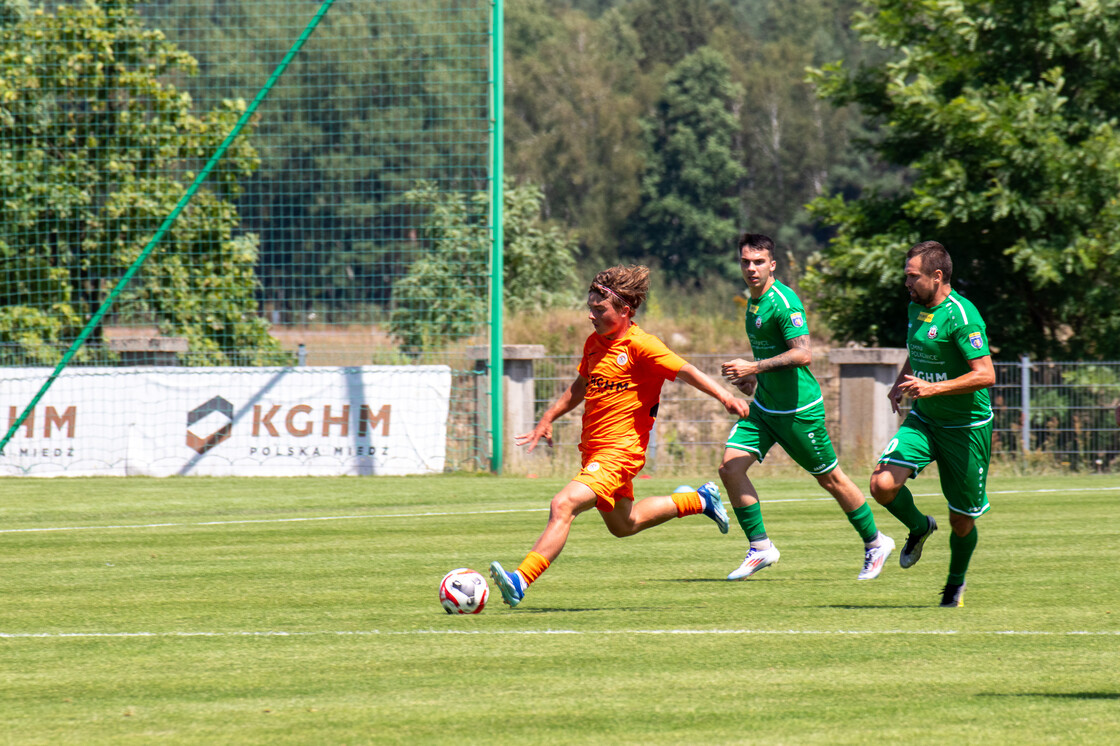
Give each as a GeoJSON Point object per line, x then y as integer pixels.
{"type": "Point", "coordinates": [863, 520]}
{"type": "Point", "coordinates": [902, 507]}
{"type": "Point", "coordinates": [960, 552]}
{"type": "Point", "coordinates": [750, 519]}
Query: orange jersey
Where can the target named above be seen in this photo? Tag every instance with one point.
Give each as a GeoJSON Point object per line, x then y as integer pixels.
{"type": "Point", "coordinates": [624, 378]}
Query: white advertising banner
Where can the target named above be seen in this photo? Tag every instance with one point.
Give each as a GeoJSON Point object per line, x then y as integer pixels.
{"type": "Point", "coordinates": [164, 421]}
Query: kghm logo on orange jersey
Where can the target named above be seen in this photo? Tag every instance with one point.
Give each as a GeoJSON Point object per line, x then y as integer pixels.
{"type": "Point", "coordinates": [598, 382]}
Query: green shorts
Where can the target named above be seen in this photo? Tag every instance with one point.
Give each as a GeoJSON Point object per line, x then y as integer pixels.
{"type": "Point", "coordinates": [962, 455]}
{"type": "Point", "coordinates": [802, 435]}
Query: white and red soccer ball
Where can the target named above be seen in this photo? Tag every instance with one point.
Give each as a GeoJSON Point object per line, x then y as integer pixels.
{"type": "Point", "coordinates": [463, 591]}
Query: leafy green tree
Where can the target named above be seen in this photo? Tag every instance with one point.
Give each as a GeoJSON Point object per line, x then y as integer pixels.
{"type": "Point", "coordinates": [689, 214]}
{"type": "Point", "coordinates": [669, 32]}
{"type": "Point", "coordinates": [94, 154]}
{"type": "Point", "coordinates": [1004, 114]}
{"type": "Point", "coordinates": [327, 201]}
{"type": "Point", "coordinates": [13, 11]}
{"type": "Point", "coordinates": [795, 147]}
{"type": "Point", "coordinates": [385, 95]}
{"type": "Point", "coordinates": [593, 8]}
{"type": "Point", "coordinates": [444, 296]}
{"type": "Point", "coordinates": [572, 120]}
{"type": "Point", "coordinates": [539, 256]}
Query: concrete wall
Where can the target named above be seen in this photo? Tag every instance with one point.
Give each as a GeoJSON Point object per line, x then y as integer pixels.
{"type": "Point", "coordinates": [866, 421]}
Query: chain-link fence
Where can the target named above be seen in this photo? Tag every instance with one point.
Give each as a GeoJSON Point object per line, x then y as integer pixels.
{"type": "Point", "coordinates": [691, 427]}
{"type": "Point", "coordinates": [1069, 408]}
{"type": "Point", "coordinates": [1061, 411]}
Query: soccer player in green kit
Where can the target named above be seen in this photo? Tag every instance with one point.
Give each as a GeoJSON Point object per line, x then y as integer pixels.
{"type": "Point", "coordinates": [788, 409]}
{"type": "Point", "coordinates": [947, 375]}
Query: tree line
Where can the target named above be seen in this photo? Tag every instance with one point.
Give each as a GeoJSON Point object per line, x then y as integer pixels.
{"type": "Point", "coordinates": [636, 130]}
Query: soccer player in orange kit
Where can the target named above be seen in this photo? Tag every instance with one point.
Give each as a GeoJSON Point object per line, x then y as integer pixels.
{"type": "Point", "coordinates": [619, 381]}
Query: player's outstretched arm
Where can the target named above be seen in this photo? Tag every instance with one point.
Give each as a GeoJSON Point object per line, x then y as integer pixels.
{"type": "Point", "coordinates": [567, 401]}
{"type": "Point", "coordinates": [695, 378]}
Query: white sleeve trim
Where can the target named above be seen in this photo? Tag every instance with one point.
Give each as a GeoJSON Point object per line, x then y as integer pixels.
{"type": "Point", "coordinates": [960, 307]}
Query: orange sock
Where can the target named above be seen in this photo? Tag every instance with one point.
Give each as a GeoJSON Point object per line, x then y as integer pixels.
{"type": "Point", "coordinates": [688, 503]}
{"type": "Point", "coordinates": [532, 566]}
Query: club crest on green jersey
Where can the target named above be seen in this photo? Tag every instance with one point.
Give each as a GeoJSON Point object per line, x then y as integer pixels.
{"type": "Point", "coordinates": [932, 333]}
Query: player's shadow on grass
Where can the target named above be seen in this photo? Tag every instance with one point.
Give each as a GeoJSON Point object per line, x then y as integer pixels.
{"type": "Point", "coordinates": [743, 582]}
{"type": "Point", "coordinates": [1055, 695]}
{"type": "Point", "coordinates": [856, 607]}
{"type": "Point", "coordinates": [558, 610]}
{"type": "Point", "coordinates": [686, 580]}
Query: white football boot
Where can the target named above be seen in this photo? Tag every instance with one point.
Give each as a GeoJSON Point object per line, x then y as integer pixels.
{"type": "Point", "coordinates": [756, 560]}
{"type": "Point", "coordinates": [875, 557]}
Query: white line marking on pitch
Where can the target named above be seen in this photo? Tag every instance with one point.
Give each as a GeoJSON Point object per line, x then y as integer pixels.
{"type": "Point", "coordinates": [547, 632]}
{"type": "Point", "coordinates": [456, 513]}
{"type": "Point", "coordinates": [268, 520]}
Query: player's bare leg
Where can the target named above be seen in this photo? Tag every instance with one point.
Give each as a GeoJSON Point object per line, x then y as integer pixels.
{"type": "Point", "coordinates": [842, 489]}
{"type": "Point", "coordinates": [574, 498]}
{"type": "Point", "coordinates": [629, 516]}
{"type": "Point", "coordinates": [962, 525]}
{"type": "Point", "coordinates": [877, 546]}
{"type": "Point", "coordinates": [887, 480]}
{"type": "Point", "coordinates": [888, 487]}
{"type": "Point", "coordinates": [744, 501]}
{"type": "Point", "coordinates": [733, 474]}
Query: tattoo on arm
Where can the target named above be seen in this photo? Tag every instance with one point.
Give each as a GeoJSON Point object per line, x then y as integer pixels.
{"type": "Point", "coordinates": [791, 358]}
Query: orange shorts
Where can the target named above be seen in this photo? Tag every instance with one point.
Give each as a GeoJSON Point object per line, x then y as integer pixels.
{"type": "Point", "coordinates": [610, 475]}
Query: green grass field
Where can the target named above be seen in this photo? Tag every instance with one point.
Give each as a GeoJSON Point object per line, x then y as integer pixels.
{"type": "Point", "coordinates": [305, 611]}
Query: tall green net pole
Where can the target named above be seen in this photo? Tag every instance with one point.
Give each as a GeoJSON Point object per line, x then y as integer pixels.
{"type": "Point", "coordinates": [497, 366]}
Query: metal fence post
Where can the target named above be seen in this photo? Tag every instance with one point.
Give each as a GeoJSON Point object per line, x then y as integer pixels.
{"type": "Point", "coordinates": [1025, 396]}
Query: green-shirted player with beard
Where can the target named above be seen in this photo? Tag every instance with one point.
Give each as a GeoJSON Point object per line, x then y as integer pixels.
{"type": "Point", "coordinates": [947, 375]}
{"type": "Point", "coordinates": [788, 410]}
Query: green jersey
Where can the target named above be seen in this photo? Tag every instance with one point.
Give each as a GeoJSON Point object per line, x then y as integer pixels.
{"type": "Point", "coordinates": [772, 320]}
{"type": "Point", "coordinates": [941, 341]}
